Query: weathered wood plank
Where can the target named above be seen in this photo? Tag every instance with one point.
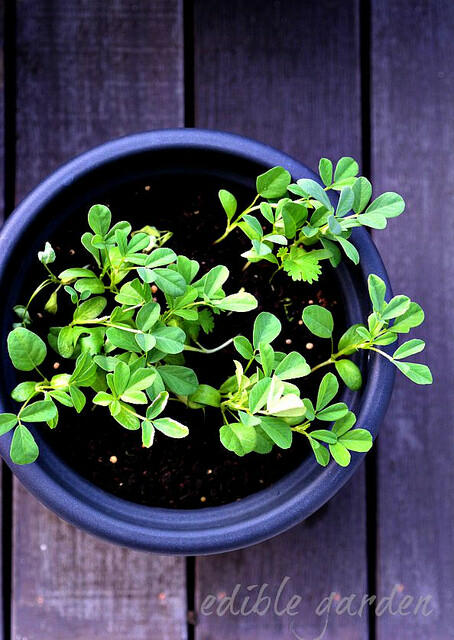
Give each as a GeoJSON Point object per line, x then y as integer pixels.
{"type": "Point", "coordinates": [286, 73]}
{"type": "Point", "coordinates": [87, 72]}
{"type": "Point", "coordinates": [413, 142]}
{"type": "Point", "coordinates": [5, 492]}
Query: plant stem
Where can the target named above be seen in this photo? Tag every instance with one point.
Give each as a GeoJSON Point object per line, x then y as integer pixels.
{"type": "Point", "coordinates": [323, 364]}
{"type": "Point", "coordinates": [202, 349]}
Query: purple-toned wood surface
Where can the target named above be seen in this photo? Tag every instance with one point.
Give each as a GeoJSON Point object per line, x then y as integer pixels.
{"type": "Point", "coordinates": [86, 72]}
{"type": "Point", "coordinates": [412, 152]}
{"type": "Point", "coordinates": [266, 72]}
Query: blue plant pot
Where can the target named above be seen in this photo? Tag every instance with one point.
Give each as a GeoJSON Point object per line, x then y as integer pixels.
{"type": "Point", "coordinates": [199, 531]}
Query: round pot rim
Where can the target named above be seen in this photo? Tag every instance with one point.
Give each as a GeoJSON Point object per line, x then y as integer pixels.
{"type": "Point", "coordinates": [195, 531]}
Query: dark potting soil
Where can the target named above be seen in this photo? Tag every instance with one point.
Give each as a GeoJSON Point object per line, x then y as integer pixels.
{"type": "Point", "coordinates": [196, 471]}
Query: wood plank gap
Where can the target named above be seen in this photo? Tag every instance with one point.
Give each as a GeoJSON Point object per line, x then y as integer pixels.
{"type": "Point", "coordinates": [365, 26]}
{"type": "Point", "coordinates": [190, 595]}
{"type": "Point", "coordinates": [9, 108]}
{"type": "Point", "coordinates": [8, 30]}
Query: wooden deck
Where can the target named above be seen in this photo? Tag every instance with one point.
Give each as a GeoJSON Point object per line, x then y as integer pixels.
{"type": "Point", "coordinates": [372, 79]}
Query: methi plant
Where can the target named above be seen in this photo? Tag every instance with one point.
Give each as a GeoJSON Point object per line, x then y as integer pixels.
{"type": "Point", "coordinates": [303, 225]}
{"type": "Point", "coordinates": [138, 309]}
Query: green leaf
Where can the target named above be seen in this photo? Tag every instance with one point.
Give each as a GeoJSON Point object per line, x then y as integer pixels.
{"type": "Point", "coordinates": [48, 255]}
{"type": "Point", "coordinates": [170, 282]}
{"type": "Point", "coordinates": [188, 268]}
{"type": "Point", "coordinates": [65, 342]}
{"type": "Point", "coordinates": [304, 265]}
{"type": "Point", "coordinates": [296, 211]}
{"type": "Point", "coordinates": [344, 424]}
{"type": "Point", "coordinates": [388, 338]}
{"type": "Point", "coordinates": [7, 422]}
{"type": "Point", "coordinates": [324, 436]}
{"type": "Point", "coordinates": [357, 440]}
{"type": "Point", "coordinates": [292, 366]}
{"type": "Point", "coordinates": [259, 394]}
{"type": "Point", "coordinates": [103, 399]}
{"type": "Point", "coordinates": [377, 292]}
{"type": "Point", "coordinates": [99, 218]}
{"type": "Point", "coordinates": [179, 380]}
{"type": "Point", "coordinates": [273, 183]}
{"type": "Point", "coordinates": [169, 339]}
{"type": "Point", "coordinates": [239, 302]}
{"type": "Point", "coordinates": [120, 377]}
{"type": "Point", "coordinates": [206, 395]}
{"type": "Point", "coordinates": [340, 454]}
{"type": "Point", "coordinates": [267, 212]}
{"type": "Point", "coordinates": [206, 320]}
{"type": "Point", "coordinates": [71, 274]}
{"type": "Point", "coordinates": [127, 419]}
{"type": "Point", "coordinates": [288, 406]}
{"type": "Point", "coordinates": [333, 412]}
{"type": "Point", "coordinates": [147, 434]}
{"type": "Point", "coordinates": [171, 428]}
{"type": "Point", "coordinates": [325, 169]}
{"type": "Point", "coordinates": [133, 293]}
{"type": "Point", "coordinates": [90, 309]}
{"type": "Point", "coordinates": [372, 220]}
{"type": "Point", "coordinates": [25, 349]}
{"type": "Point", "coordinates": [24, 391]}
{"type": "Point", "coordinates": [320, 452]}
{"type": "Point", "coordinates": [266, 329]}
{"type": "Point", "coordinates": [246, 418]}
{"type": "Point", "coordinates": [418, 373]}
{"type": "Point", "coordinates": [334, 226]}
{"type": "Point", "coordinates": [362, 191]}
{"type": "Point", "coordinates": [86, 240]}
{"type": "Point", "coordinates": [158, 405]}
{"type": "Point", "coordinates": [397, 306]}
{"type": "Point", "coordinates": [39, 411]}
{"type": "Point", "coordinates": [328, 388]}
{"type": "Point", "coordinates": [350, 374]}
{"type": "Point", "coordinates": [160, 257]}
{"type": "Point", "coordinates": [349, 249]}
{"type": "Point", "coordinates": [408, 348]}
{"type": "Point", "coordinates": [278, 431]}
{"type": "Point", "coordinates": [138, 242]}
{"type": "Point", "coordinates": [314, 190]}
{"type": "Point", "coordinates": [84, 372]}
{"type": "Point", "coordinates": [244, 347]}
{"type": "Point", "coordinates": [318, 320]}
{"type": "Point", "coordinates": [389, 205]}
{"type": "Point", "coordinates": [263, 444]}
{"type": "Point", "coordinates": [145, 341]}
{"type": "Point", "coordinates": [345, 202]}
{"type": "Point", "coordinates": [251, 227]}
{"type": "Point", "coordinates": [345, 168]}
{"type": "Point", "coordinates": [413, 317]}
{"type": "Point", "coordinates": [90, 285]}
{"type": "Point", "coordinates": [147, 316]}
{"type": "Point", "coordinates": [123, 339]}
{"type": "Point", "coordinates": [187, 314]}
{"type": "Point", "coordinates": [77, 397]}
{"type": "Point", "coordinates": [141, 378]}
{"type": "Point", "coordinates": [266, 358]}
{"type": "Point", "coordinates": [228, 202]}
{"type": "Point", "coordinates": [24, 449]}
{"type": "Point", "coordinates": [214, 279]}
{"type": "Point", "coordinates": [238, 437]}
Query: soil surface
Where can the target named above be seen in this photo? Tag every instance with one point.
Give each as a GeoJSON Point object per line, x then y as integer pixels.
{"type": "Point", "coordinates": [196, 471]}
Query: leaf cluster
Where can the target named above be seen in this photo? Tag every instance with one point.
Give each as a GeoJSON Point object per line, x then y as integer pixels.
{"type": "Point", "coordinates": [297, 225]}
